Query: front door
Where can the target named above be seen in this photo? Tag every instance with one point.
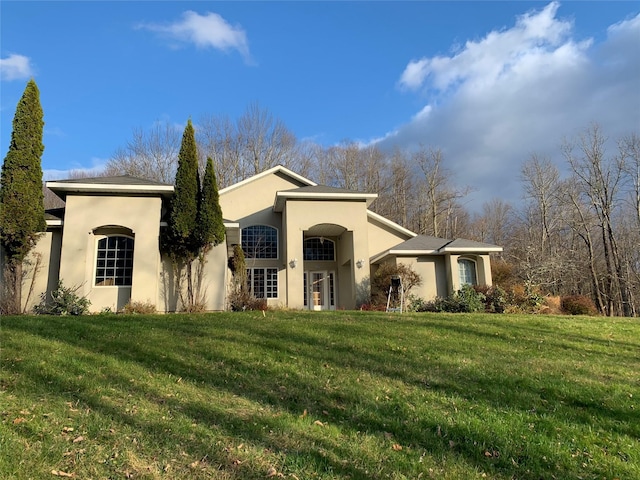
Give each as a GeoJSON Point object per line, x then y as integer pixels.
{"type": "Point", "coordinates": [320, 290]}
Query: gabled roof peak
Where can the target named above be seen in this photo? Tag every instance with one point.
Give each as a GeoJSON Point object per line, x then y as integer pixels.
{"type": "Point", "coordinates": [277, 169]}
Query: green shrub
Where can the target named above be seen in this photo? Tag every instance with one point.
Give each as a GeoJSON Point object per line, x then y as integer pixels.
{"type": "Point", "coordinates": [465, 300]}
{"type": "Point", "coordinates": [578, 305]}
{"type": "Point", "coordinates": [495, 298]}
{"type": "Point", "coordinates": [415, 304]}
{"type": "Point", "coordinates": [63, 301]}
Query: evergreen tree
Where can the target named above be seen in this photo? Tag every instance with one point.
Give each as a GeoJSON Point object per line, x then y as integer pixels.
{"type": "Point", "coordinates": [210, 227]}
{"type": "Point", "coordinates": [21, 197]}
{"type": "Point", "coordinates": [180, 242]}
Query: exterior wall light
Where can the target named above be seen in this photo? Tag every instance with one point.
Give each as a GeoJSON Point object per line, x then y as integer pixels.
{"type": "Point", "coordinates": [360, 263]}
{"type": "Point", "coordinates": [293, 263]}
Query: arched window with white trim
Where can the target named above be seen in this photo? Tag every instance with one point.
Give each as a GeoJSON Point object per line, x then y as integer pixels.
{"type": "Point", "coordinates": [467, 271]}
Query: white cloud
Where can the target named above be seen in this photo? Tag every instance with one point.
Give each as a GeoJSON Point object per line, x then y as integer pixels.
{"type": "Point", "coordinates": [15, 67]}
{"type": "Point", "coordinates": [205, 31]}
{"type": "Point", "coordinates": [98, 166]}
{"type": "Point", "coordinates": [521, 90]}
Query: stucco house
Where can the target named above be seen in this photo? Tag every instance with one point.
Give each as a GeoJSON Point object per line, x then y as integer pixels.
{"type": "Point", "coordinates": [307, 246]}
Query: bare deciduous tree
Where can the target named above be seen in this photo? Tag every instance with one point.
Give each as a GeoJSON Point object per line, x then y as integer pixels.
{"type": "Point", "coordinates": [150, 154]}
{"type": "Point", "coordinates": [600, 178]}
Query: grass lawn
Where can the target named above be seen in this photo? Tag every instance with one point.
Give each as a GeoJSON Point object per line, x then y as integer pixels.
{"type": "Point", "coordinates": [295, 395]}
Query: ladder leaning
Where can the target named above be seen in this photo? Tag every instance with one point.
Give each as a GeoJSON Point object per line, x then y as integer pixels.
{"type": "Point", "coordinates": [395, 298]}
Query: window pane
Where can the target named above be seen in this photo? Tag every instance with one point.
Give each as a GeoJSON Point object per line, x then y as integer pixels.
{"type": "Point", "coordinates": [467, 271]}
{"type": "Point", "coordinates": [260, 241]}
{"type": "Point", "coordinates": [319, 249]}
{"type": "Point", "coordinates": [272, 283]}
{"type": "Point", "coordinates": [114, 264]}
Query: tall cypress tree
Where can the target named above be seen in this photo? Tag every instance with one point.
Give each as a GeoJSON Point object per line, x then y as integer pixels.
{"type": "Point", "coordinates": [184, 204]}
{"type": "Point", "coordinates": [21, 197]}
{"type": "Point", "coordinates": [181, 240]}
{"type": "Point", "coordinates": [210, 227]}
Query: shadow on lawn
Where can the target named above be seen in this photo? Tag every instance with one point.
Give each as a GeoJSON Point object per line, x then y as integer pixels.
{"type": "Point", "coordinates": [258, 380]}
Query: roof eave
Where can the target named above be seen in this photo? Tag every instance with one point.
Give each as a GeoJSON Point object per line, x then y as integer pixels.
{"type": "Point", "coordinates": [391, 224]}
{"type": "Point", "coordinates": [65, 188]}
{"type": "Point", "coordinates": [282, 197]}
{"type": "Point", "coordinates": [494, 249]}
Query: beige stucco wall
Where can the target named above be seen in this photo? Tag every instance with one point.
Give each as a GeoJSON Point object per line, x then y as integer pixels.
{"type": "Point", "coordinates": [257, 195]}
{"type": "Point", "coordinates": [432, 270]}
{"type": "Point", "coordinates": [84, 214]}
{"type": "Point", "coordinates": [40, 278]}
{"type": "Point", "coordinates": [382, 237]}
{"type": "Point", "coordinates": [213, 288]}
{"type": "Point", "coordinates": [252, 204]}
{"type": "Point", "coordinates": [300, 216]}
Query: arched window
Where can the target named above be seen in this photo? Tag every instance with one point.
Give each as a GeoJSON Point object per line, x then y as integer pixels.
{"type": "Point", "coordinates": [114, 261]}
{"type": "Point", "coordinates": [260, 241]}
{"type": "Point", "coordinates": [319, 248]}
{"type": "Point", "coordinates": [467, 271]}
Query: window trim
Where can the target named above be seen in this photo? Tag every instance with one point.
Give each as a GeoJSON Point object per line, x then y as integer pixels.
{"type": "Point", "coordinates": [267, 279]}
{"type": "Point", "coordinates": [468, 261]}
{"type": "Point", "coordinates": [246, 251]}
{"type": "Point", "coordinates": [105, 237]}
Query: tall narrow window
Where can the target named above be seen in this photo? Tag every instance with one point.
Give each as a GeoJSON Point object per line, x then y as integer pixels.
{"type": "Point", "coordinates": [114, 262]}
{"type": "Point", "coordinates": [467, 271]}
{"type": "Point", "coordinates": [260, 241]}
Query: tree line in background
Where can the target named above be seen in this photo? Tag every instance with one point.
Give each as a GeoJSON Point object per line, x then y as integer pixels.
{"type": "Point", "coordinates": [577, 234]}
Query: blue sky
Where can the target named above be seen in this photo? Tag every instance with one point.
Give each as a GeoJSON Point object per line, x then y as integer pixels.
{"type": "Point", "coordinates": [488, 82]}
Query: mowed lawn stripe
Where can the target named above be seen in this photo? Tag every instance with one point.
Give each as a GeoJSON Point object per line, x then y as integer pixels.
{"type": "Point", "coordinates": [320, 395]}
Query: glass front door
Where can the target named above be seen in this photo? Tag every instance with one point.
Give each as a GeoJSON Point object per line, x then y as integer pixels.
{"type": "Point", "coordinates": [320, 290]}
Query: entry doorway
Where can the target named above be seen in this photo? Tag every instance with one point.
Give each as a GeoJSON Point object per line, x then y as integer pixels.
{"type": "Point", "coordinates": [319, 290]}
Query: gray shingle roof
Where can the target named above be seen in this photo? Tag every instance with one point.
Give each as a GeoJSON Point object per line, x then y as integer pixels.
{"type": "Point", "coordinates": [430, 244]}
{"type": "Point", "coordinates": [462, 243]}
{"type": "Point", "coordinates": [422, 242]}
{"type": "Point", "coordinates": [54, 214]}
{"type": "Point", "coordinates": [117, 180]}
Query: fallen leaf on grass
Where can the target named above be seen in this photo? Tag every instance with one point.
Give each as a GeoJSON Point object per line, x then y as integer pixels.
{"type": "Point", "coordinates": [19, 420]}
{"type": "Point", "coordinates": [272, 472]}
{"type": "Point", "coordinates": [78, 439]}
{"type": "Point", "coordinates": [396, 447]}
{"type": "Point", "coordinates": [319, 423]}
{"type": "Point", "coordinates": [67, 429]}
{"type": "Point", "coordinates": [60, 473]}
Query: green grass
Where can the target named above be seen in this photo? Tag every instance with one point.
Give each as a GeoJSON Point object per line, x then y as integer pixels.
{"type": "Point", "coordinates": [294, 395]}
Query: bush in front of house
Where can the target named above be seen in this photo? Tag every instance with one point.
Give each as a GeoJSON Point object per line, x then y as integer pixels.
{"type": "Point", "coordinates": [135, 307]}
{"type": "Point", "coordinates": [241, 300]}
{"type": "Point", "coordinates": [495, 298]}
{"type": "Point", "coordinates": [63, 301]}
{"type": "Point", "coordinates": [465, 300]}
{"type": "Point", "coordinates": [578, 305]}
{"type": "Point", "coordinates": [381, 281]}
